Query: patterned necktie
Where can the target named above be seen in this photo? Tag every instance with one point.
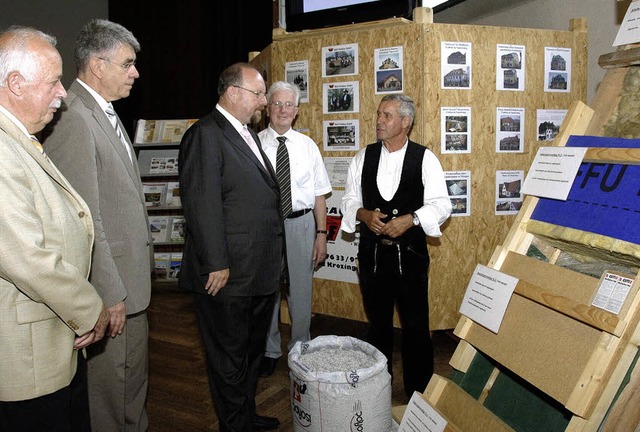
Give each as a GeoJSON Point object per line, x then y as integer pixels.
{"type": "Point", "coordinates": [111, 114]}
{"type": "Point", "coordinates": [284, 177]}
{"type": "Point", "coordinates": [36, 143]}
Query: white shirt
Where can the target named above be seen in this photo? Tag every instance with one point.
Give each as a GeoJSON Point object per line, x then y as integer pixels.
{"type": "Point", "coordinates": [102, 103]}
{"type": "Point", "coordinates": [15, 121]}
{"type": "Point", "coordinates": [239, 127]}
{"type": "Point", "coordinates": [309, 177]}
{"type": "Point", "coordinates": [437, 205]}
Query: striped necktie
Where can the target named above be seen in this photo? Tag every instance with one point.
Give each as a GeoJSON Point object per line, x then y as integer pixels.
{"type": "Point", "coordinates": [111, 114]}
{"type": "Point", "coordinates": [283, 175]}
{"type": "Point", "coordinates": [38, 145]}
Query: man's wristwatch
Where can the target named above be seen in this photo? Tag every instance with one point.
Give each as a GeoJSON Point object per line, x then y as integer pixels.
{"type": "Point", "coordinates": [416, 221]}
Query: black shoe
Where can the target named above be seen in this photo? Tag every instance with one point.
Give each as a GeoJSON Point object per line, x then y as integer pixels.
{"type": "Point", "coordinates": [264, 423]}
{"type": "Point", "coordinates": [268, 366]}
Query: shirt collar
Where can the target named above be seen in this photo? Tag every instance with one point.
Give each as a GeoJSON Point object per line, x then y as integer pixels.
{"type": "Point", "coordinates": [102, 103]}
{"type": "Point", "coordinates": [399, 151]}
{"type": "Point", "coordinates": [275, 134]}
{"type": "Point", "coordinates": [15, 121]}
{"type": "Point", "coordinates": [234, 121]}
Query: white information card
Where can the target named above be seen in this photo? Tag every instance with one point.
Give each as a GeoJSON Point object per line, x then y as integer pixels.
{"type": "Point", "coordinates": [487, 297]}
{"type": "Point", "coordinates": [553, 171]}
{"type": "Point", "coordinates": [421, 417]}
{"type": "Point", "coordinates": [629, 31]}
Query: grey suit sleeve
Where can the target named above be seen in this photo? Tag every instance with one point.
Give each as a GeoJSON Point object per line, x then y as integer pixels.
{"type": "Point", "coordinates": [72, 147]}
{"type": "Point", "coordinates": [201, 192]}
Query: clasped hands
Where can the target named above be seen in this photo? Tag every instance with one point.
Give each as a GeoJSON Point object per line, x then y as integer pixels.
{"type": "Point", "coordinates": [374, 221]}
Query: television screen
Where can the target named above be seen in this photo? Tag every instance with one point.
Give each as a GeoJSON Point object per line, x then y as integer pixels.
{"type": "Point", "coordinates": [313, 14]}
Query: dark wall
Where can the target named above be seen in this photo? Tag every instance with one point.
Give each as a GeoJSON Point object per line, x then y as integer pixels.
{"type": "Point", "coordinates": [185, 46]}
{"type": "Point", "coordinates": [60, 18]}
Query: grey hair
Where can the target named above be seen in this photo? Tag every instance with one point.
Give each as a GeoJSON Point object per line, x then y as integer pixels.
{"type": "Point", "coordinates": [15, 55]}
{"type": "Point", "coordinates": [407, 107]}
{"type": "Point", "coordinates": [284, 86]}
{"type": "Point", "coordinates": [100, 37]}
{"type": "Point", "coordinates": [232, 76]}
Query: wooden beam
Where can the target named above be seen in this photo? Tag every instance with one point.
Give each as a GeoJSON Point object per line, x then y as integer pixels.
{"type": "Point", "coordinates": [590, 315]}
{"type": "Point", "coordinates": [627, 156]}
{"type": "Point", "coordinates": [617, 59]}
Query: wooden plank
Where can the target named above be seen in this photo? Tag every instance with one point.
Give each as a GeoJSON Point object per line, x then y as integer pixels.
{"type": "Point", "coordinates": [590, 315]}
{"type": "Point", "coordinates": [554, 279]}
{"type": "Point", "coordinates": [598, 380]}
{"type": "Point", "coordinates": [423, 15]}
{"type": "Point", "coordinates": [460, 409]}
{"type": "Point", "coordinates": [488, 385]}
{"type": "Point", "coordinates": [624, 156]}
{"type": "Point", "coordinates": [606, 99]}
{"type": "Point", "coordinates": [619, 59]}
{"type": "Point", "coordinates": [463, 356]}
{"type": "Point", "coordinates": [576, 122]}
{"type": "Point", "coordinates": [553, 293]}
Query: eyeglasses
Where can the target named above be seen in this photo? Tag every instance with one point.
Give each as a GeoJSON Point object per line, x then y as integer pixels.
{"type": "Point", "coordinates": [285, 105]}
{"type": "Point", "coordinates": [126, 66]}
{"type": "Point", "coordinates": [258, 95]}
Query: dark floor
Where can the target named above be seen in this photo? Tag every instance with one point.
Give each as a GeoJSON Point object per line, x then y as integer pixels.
{"type": "Point", "coordinates": [179, 398]}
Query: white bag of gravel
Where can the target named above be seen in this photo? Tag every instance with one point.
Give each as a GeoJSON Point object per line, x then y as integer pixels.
{"type": "Point", "coordinates": [339, 383]}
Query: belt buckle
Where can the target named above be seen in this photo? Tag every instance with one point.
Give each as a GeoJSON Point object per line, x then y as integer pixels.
{"type": "Point", "coordinates": [387, 242]}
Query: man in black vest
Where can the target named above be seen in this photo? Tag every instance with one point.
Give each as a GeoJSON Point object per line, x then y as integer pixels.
{"type": "Point", "coordinates": [397, 193]}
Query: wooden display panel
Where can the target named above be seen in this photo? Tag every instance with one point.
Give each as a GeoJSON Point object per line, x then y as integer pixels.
{"type": "Point", "coordinates": [461, 410]}
{"type": "Point", "coordinates": [551, 336]}
{"type": "Point", "coordinates": [469, 240]}
{"type": "Point", "coordinates": [465, 240]}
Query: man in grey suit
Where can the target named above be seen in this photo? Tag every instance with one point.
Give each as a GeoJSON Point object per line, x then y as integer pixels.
{"type": "Point", "coordinates": [48, 309]}
{"type": "Point", "coordinates": [234, 243]}
{"type": "Point", "coordinates": [93, 151]}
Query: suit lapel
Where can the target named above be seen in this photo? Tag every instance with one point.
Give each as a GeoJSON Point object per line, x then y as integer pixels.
{"type": "Point", "coordinates": [47, 165]}
{"type": "Point", "coordinates": [103, 121]}
{"type": "Point", "coordinates": [232, 135]}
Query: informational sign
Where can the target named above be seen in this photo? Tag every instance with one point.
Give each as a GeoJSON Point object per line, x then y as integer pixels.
{"type": "Point", "coordinates": [342, 253]}
{"type": "Point", "coordinates": [553, 171]}
{"type": "Point", "coordinates": [421, 417]}
{"type": "Point", "coordinates": [612, 292]}
{"type": "Point", "coordinates": [629, 31]}
{"type": "Point", "coordinates": [487, 297]}
{"type": "Point", "coordinates": [604, 198]}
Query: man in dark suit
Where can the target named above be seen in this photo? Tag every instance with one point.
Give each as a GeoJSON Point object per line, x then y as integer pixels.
{"type": "Point", "coordinates": [93, 151]}
{"type": "Point", "coordinates": [233, 250]}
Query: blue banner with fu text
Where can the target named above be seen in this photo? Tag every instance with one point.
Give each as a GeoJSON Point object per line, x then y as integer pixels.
{"type": "Point", "coordinates": [604, 198]}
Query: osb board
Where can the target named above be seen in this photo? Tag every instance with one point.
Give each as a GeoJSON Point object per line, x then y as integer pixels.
{"type": "Point", "coordinates": [554, 280]}
{"type": "Point", "coordinates": [467, 241]}
{"type": "Point", "coordinates": [545, 348]}
{"type": "Point", "coordinates": [332, 297]}
{"type": "Point", "coordinates": [459, 408]}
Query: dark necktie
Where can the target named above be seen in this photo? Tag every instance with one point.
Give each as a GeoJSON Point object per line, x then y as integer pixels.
{"type": "Point", "coordinates": [284, 177]}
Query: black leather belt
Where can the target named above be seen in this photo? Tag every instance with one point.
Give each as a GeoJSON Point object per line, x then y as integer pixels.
{"type": "Point", "coordinates": [387, 242]}
{"type": "Point", "coordinates": [298, 213]}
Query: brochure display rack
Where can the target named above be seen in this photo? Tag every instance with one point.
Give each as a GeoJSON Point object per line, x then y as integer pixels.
{"type": "Point", "coordinates": [157, 143]}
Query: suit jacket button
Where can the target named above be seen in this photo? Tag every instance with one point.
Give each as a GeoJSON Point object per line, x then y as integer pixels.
{"type": "Point", "coordinates": [81, 214]}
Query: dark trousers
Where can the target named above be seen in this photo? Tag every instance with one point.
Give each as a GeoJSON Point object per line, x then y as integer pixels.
{"type": "Point", "coordinates": [66, 410]}
{"type": "Point", "coordinates": [234, 334]}
{"type": "Point", "coordinates": [392, 276]}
